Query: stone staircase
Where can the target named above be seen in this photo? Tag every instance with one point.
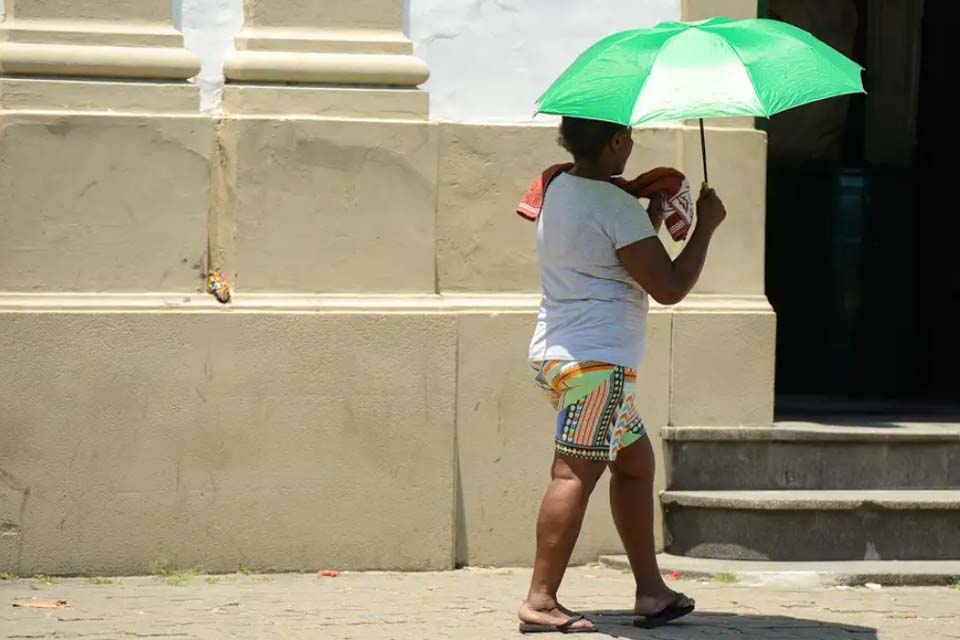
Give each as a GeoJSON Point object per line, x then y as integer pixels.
{"type": "Point", "coordinates": [865, 499]}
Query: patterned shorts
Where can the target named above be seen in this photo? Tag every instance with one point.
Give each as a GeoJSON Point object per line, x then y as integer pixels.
{"type": "Point", "coordinates": [597, 414]}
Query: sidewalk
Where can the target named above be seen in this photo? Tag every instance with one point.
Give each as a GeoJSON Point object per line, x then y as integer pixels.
{"type": "Point", "coordinates": [466, 605]}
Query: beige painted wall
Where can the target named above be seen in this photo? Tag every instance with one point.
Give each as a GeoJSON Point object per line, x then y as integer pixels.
{"type": "Point", "coordinates": [333, 206]}
{"type": "Point", "coordinates": [86, 209]}
{"type": "Point", "coordinates": [703, 9]}
{"type": "Point", "coordinates": [213, 438]}
{"type": "Point", "coordinates": [365, 401]}
{"type": "Point", "coordinates": [134, 11]}
{"type": "Point", "coordinates": [310, 214]}
{"type": "Point", "coordinates": [356, 14]}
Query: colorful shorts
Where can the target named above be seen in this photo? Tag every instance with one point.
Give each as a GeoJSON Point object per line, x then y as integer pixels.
{"type": "Point", "coordinates": [597, 414]}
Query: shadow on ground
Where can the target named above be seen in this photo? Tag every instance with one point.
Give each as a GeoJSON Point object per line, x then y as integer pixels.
{"type": "Point", "coordinates": [619, 624]}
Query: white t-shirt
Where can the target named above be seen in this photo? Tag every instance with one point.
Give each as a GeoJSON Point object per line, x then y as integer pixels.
{"type": "Point", "coordinates": [591, 309]}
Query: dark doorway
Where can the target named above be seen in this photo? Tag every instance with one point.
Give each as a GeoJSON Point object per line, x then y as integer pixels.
{"type": "Point", "coordinates": [863, 262]}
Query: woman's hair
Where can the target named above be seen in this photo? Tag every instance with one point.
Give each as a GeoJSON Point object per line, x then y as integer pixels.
{"type": "Point", "coordinates": [585, 139]}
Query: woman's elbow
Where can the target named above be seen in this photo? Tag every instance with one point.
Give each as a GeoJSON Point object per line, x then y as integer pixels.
{"type": "Point", "coordinates": [668, 297]}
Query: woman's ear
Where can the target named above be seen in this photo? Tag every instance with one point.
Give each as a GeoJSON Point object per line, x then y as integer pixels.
{"type": "Point", "coordinates": [616, 142]}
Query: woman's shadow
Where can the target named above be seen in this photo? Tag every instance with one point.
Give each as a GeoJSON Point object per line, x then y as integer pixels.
{"type": "Point", "coordinates": [619, 624]}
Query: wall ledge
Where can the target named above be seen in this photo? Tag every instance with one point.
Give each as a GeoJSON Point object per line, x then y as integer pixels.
{"type": "Point", "coordinates": [294, 303]}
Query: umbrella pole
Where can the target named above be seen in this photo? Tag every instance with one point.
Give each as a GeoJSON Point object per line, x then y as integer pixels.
{"type": "Point", "coordinates": [703, 149]}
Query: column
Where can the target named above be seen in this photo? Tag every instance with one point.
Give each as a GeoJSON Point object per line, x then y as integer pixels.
{"type": "Point", "coordinates": [703, 9]}
{"type": "Point", "coordinates": [104, 163]}
{"type": "Point", "coordinates": [324, 43]}
{"type": "Point", "coordinates": [723, 337]}
{"type": "Point", "coordinates": [93, 38]}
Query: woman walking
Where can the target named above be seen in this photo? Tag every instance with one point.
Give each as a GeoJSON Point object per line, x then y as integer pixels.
{"type": "Point", "coordinates": [600, 259]}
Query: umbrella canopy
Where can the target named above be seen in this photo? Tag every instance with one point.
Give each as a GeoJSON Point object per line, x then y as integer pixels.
{"type": "Point", "coordinates": [709, 69]}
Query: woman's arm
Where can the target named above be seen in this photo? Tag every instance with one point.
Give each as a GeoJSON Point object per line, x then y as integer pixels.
{"type": "Point", "coordinates": [669, 281]}
{"type": "Point", "coordinates": [655, 211]}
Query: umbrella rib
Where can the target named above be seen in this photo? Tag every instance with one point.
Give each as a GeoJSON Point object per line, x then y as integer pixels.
{"type": "Point", "coordinates": [746, 68]}
{"type": "Point", "coordinates": [817, 53]}
{"type": "Point", "coordinates": [627, 34]}
{"type": "Point", "coordinates": [831, 62]}
{"type": "Point", "coordinates": [647, 78]}
{"type": "Point", "coordinates": [851, 91]}
{"type": "Point", "coordinates": [649, 73]}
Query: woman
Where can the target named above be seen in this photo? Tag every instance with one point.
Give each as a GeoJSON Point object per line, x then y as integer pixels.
{"type": "Point", "coordinates": [600, 258]}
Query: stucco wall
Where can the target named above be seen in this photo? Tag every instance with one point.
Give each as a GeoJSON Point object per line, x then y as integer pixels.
{"type": "Point", "coordinates": [491, 60]}
{"type": "Point", "coordinates": [373, 358]}
{"type": "Point", "coordinates": [171, 408]}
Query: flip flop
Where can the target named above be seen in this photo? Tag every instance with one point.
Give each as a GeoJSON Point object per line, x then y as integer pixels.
{"type": "Point", "coordinates": [669, 613]}
{"type": "Point", "coordinates": [566, 627]}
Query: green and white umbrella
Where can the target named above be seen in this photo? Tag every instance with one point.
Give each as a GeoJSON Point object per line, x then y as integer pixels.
{"type": "Point", "coordinates": [709, 69]}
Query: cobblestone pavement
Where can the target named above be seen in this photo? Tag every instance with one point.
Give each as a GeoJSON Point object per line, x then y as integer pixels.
{"type": "Point", "coordinates": [468, 604]}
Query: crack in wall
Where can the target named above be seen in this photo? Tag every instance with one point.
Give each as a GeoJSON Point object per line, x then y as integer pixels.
{"type": "Point", "coordinates": [221, 231]}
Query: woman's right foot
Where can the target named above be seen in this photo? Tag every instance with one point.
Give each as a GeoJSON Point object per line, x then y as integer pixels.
{"type": "Point", "coordinates": [660, 609]}
{"type": "Point", "coordinates": [652, 604]}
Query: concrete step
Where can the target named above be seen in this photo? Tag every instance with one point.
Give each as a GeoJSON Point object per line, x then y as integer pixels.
{"type": "Point", "coordinates": [800, 525]}
{"type": "Point", "coordinates": [873, 455]}
{"type": "Point", "coordinates": [806, 574]}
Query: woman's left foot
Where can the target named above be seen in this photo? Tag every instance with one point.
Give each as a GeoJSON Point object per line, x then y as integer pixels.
{"type": "Point", "coordinates": [555, 619]}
